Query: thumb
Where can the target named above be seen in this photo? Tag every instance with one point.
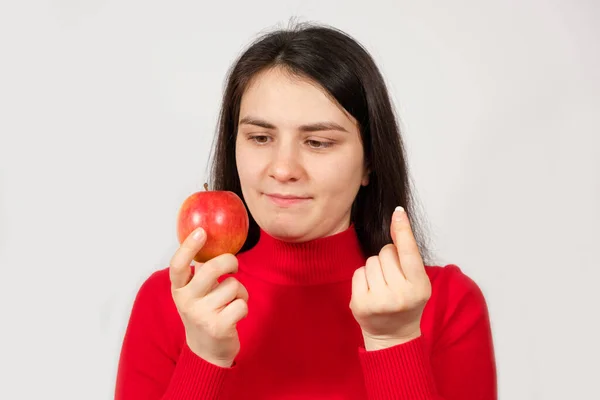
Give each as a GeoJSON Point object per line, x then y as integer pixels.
{"type": "Point", "coordinates": [180, 270]}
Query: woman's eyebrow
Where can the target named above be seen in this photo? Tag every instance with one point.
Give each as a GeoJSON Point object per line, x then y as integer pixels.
{"type": "Point", "coordinates": [314, 127]}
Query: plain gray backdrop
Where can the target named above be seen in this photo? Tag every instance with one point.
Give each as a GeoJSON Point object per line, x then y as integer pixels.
{"type": "Point", "coordinates": [107, 114]}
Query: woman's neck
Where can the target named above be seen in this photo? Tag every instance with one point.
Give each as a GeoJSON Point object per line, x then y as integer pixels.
{"type": "Point", "coordinates": [328, 259]}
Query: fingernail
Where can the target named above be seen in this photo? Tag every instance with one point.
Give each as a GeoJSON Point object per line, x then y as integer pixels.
{"type": "Point", "coordinates": [398, 212]}
{"type": "Point", "coordinates": [198, 234]}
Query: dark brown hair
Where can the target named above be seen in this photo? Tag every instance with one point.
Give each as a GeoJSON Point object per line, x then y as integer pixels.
{"type": "Point", "coordinates": [347, 72]}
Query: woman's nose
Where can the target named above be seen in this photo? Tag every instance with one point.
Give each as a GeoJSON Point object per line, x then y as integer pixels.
{"type": "Point", "coordinates": [286, 165]}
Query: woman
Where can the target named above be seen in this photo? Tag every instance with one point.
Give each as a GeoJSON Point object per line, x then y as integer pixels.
{"type": "Point", "coordinates": [330, 297]}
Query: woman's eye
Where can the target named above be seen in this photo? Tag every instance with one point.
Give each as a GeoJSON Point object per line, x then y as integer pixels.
{"type": "Point", "coordinates": [316, 144]}
{"type": "Point", "coordinates": [259, 139]}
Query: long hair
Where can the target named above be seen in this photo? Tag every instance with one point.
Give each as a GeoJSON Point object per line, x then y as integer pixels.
{"type": "Point", "coordinates": [344, 68]}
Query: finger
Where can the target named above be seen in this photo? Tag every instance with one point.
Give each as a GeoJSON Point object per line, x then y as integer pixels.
{"type": "Point", "coordinates": [234, 312]}
{"type": "Point", "coordinates": [207, 276]}
{"type": "Point", "coordinates": [179, 266]}
{"type": "Point", "coordinates": [374, 274]}
{"type": "Point", "coordinates": [226, 291]}
{"type": "Point", "coordinates": [359, 283]}
{"type": "Point", "coordinates": [411, 262]}
{"type": "Point", "coordinates": [390, 265]}
{"type": "Point", "coordinates": [197, 265]}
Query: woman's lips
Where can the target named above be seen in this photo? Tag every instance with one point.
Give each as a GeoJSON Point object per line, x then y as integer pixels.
{"type": "Point", "coordinates": [286, 200]}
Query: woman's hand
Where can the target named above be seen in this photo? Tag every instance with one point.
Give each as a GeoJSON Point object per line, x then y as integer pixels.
{"type": "Point", "coordinates": [209, 310]}
{"type": "Point", "coordinates": [390, 292]}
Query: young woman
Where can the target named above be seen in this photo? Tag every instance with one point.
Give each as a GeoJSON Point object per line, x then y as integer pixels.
{"type": "Point", "coordinates": [332, 296]}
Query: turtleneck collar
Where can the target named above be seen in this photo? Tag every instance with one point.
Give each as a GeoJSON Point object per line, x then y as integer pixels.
{"type": "Point", "coordinates": [323, 260]}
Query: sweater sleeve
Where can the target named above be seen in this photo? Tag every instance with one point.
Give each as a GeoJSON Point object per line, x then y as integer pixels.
{"type": "Point", "coordinates": [458, 365]}
{"type": "Point", "coordinates": [150, 367]}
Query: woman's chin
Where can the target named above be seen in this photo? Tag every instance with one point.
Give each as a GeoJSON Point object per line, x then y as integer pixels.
{"type": "Point", "coordinates": [294, 229]}
{"type": "Point", "coordinates": [288, 231]}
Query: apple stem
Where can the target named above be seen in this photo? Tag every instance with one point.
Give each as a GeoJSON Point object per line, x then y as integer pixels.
{"type": "Point", "coordinates": [206, 186]}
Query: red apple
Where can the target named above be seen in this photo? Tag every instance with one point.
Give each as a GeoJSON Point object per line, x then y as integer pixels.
{"type": "Point", "coordinates": [221, 214]}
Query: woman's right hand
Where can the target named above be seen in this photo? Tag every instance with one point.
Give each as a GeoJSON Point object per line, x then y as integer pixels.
{"type": "Point", "coordinates": [209, 310]}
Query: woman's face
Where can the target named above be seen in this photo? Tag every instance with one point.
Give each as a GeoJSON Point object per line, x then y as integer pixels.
{"type": "Point", "coordinates": [299, 157]}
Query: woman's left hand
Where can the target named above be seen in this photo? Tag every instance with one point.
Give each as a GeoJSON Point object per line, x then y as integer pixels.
{"type": "Point", "coordinates": [389, 293]}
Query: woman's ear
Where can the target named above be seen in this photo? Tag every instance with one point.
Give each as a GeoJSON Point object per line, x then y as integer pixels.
{"type": "Point", "coordinates": [365, 179]}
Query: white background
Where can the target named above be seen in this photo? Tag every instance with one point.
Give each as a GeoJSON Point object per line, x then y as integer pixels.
{"type": "Point", "coordinates": [107, 113]}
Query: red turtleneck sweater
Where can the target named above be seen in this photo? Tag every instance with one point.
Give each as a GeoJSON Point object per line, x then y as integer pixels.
{"type": "Point", "coordinates": [300, 340]}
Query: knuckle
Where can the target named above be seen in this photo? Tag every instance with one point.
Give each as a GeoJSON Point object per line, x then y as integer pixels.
{"type": "Point", "coordinates": [230, 260]}
{"type": "Point", "coordinates": [210, 267]}
{"type": "Point", "coordinates": [243, 305]}
{"type": "Point", "coordinates": [189, 245]}
{"type": "Point", "coordinates": [225, 262]}
{"type": "Point", "coordinates": [232, 284]}
{"type": "Point", "coordinates": [189, 249]}
{"type": "Point", "coordinates": [245, 310]}
{"type": "Point", "coordinates": [372, 261]}
{"type": "Point", "coordinates": [229, 281]}
{"type": "Point", "coordinates": [235, 283]}
{"type": "Point", "coordinates": [175, 263]}
{"type": "Point", "coordinates": [357, 273]}
{"type": "Point", "coordinates": [388, 248]}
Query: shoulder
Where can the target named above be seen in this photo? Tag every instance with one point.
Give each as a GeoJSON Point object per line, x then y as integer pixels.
{"type": "Point", "coordinates": [157, 281]}
{"type": "Point", "coordinates": [154, 320]}
{"type": "Point", "coordinates": [450, 278]}
{"type": "Point", "coordinates": [154, 300]}
{"type": "Point", "coordinates": [457, 302]}
{"type": "Point", "coordinates": [154, 290]}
